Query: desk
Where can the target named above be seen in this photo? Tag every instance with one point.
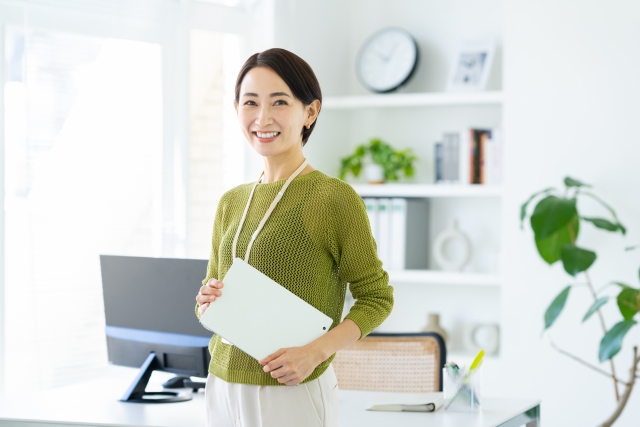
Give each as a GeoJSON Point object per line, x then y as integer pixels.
{"type": "Point", "coordinates": [95, 403]}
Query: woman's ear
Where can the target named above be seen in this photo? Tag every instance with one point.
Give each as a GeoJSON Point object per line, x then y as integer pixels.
{"type": "Point", "coordinates": [235, 105]}
{"type": "Point", "coordinates": [313, 110]}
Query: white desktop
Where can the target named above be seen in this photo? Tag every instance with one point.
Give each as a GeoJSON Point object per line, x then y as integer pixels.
{"type": "Point", "coordinates": [95, 403]}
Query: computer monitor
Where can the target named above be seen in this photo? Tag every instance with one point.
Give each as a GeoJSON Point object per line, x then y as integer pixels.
{"type": "Point", "coordinates": [150, 321]}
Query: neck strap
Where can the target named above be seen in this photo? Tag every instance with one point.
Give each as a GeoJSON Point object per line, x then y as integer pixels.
{"type": "Point", "coordinates": [266, 215]}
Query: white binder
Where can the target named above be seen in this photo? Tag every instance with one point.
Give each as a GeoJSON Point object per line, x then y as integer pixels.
{"type": "Point", "coordinates": [259, 316]}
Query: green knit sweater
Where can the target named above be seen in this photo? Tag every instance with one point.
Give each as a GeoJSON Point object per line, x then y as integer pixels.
{"type": "Point", "coordinates": [317, 241]}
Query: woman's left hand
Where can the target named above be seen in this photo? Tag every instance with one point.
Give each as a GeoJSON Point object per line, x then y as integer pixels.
{"type": "Point", "coordinates": [291, 365]}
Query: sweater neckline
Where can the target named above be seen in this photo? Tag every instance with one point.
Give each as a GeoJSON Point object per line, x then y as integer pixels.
{"type": "Point", "coordinates": [282, 181]}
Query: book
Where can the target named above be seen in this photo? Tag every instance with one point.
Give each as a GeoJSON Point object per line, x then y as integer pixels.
{"type": "Point", "coordinates": [398, 235]}
{"type": "Point", "coordinates": [477, 143]}
{"type": "Point", "coordinates": [451, 152]}
{"type": "Point", "coordinates": [371, 205]}
{"type": "Point", "coordinates": [493, 158]}
{"type": "Point", "coordinates": [438, 162]}
{"type": "Point", "coordinates": [424, 402]}
{"type": "Point", "coordinates": [384, 231]}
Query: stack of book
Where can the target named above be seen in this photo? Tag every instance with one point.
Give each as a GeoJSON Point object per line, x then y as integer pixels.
{"type": "Point", "coordinates": [399, 227]}
{"type": "Point", "coordinates": [470, 157]}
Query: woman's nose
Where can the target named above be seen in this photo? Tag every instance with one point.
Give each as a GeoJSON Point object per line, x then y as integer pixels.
{"type": "Point", "coordinates": [264, 116]}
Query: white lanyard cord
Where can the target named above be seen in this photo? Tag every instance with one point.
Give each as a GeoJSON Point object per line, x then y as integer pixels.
{"type": "Point", "coordinates": [266, 215]}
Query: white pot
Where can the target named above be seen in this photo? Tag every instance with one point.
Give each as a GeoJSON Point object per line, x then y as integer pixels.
{"type": "Point", "coordinates": [374, 173]}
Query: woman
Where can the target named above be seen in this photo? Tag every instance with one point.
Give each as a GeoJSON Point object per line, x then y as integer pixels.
{"type": "Point", "coordinates": [315, 241]}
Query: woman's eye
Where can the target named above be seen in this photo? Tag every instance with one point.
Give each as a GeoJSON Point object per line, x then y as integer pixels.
{"type": "Point", "coordinates": [281, 102]}
{"type": "Point", "coordinates": [250, 103]}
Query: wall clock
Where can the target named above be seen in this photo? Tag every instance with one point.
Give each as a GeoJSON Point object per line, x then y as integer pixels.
{"type": "Point", "coordinates": [387, 60]}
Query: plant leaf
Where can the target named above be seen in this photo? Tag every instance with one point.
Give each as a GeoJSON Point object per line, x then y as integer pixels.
{"type": "Point", "coordinates": [628, 302]}
{"type": "Point", "coordinates": [523, 208]}
{"type": "Point", "coordinates": [612, 341]}
{"type": "Point", "coordinates": [570, 182]}
{"type": "Point", "coordinates": [622, 228]}
{"type": "Point", "coordinates": [595, 307]}
{"type": "Point", "coordinates": [553, 311]}
{"type": "Point", "coordinates": [576, 260]}
{"type": "Point", "coordinates": [551, 214]}
{"type": "Point", "coordinates": [550, 249]}
{"type": "Point", "coordinates": [603, 224]}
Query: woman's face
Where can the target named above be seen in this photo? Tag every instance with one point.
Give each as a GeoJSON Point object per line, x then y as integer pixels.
{"type": "Point", "coordinates": [270, 116]}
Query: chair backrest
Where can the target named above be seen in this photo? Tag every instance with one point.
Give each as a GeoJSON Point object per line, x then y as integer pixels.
{"type": "Point", "coordinates": [410, 363]}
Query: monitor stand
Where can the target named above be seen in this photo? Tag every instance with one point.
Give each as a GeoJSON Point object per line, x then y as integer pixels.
{"type": "Point", "coordinates": [136, 392]}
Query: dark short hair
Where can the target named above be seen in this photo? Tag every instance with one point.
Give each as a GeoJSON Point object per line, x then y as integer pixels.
{"type": "Point", "coordinates": [295, 72]}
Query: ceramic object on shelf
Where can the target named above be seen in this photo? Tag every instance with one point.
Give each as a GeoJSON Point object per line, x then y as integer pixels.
{"type": "Point", "coordinates": [481, 336]}
{"type": "Point", "coordinates": [374, 173]}
{"type": "Point", "coordinates": [433, 325]}
{"type": "Point", "coordinates": [439, 255]}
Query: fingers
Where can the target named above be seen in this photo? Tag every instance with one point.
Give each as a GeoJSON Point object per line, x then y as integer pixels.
{"type": "Point", "coordinates": [270, 361]}
{"type": "Point", "coordinates": [215, 283]}
{"type": "Point", "coordinates": [203, 308]}
{"type": "Point", "coordinates": [210, 292]}
{"type": "Point", "coordinates": [290, 378]}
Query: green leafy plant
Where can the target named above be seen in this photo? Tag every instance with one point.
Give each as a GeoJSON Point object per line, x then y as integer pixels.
{"type": "Point", "coordinates": [556, 223]}
{"type": "Point", "coordinates": [383, 154]}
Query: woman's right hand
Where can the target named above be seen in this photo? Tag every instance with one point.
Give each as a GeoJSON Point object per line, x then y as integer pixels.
{"type": "Point", "coordinates": [208, 294]}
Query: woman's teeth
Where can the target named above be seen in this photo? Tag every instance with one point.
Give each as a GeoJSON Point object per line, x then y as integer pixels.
{"type": "Point", "coordinates": [267, 135]}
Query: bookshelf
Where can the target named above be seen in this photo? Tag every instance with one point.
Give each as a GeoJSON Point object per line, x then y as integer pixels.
{"type": "Point", "coordinates": [424, 99]}
{"type": "Point", "coordinates": [427, 190]}
{"type": "Point", "coordinates": [435, 277]}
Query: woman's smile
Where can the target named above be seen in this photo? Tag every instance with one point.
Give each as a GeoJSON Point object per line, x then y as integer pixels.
{"type": "Point", "coordinates": [266, 136]}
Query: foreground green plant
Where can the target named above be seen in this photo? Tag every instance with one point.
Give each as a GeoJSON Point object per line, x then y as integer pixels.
{"type": "Point", "coordinates": [381, 153]}
{"type": "Point", "coordinates": [556, 222]}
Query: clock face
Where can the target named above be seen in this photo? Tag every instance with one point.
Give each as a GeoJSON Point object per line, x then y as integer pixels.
{"type": "Point", "coordinates": [387, 60]}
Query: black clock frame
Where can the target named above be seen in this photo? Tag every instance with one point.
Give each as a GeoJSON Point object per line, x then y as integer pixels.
{"type": "Point", "coordinates": [411, 73]}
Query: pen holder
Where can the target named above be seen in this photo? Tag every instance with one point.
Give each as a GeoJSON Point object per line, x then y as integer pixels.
{"type": "Point", "coordinates": [462, 389]}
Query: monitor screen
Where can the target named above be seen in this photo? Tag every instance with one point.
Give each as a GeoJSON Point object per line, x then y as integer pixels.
{"type": "Point", "coordinates": [149, 306]}
{"type": "Point", "coordinates": [155, 294]}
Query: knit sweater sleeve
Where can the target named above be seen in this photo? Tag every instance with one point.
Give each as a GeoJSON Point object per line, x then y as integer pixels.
{"type": "Point", "coordinates": [354, 251]}
{"type": "Point", "coordinates": [216, 235]}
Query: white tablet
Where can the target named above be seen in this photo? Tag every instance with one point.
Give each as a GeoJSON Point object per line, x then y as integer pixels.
{"type": "Point", "coordinates": [259, 316]}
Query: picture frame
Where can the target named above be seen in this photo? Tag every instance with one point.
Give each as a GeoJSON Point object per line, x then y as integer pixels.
{"type": "Point", "coordinates": [471, 66]}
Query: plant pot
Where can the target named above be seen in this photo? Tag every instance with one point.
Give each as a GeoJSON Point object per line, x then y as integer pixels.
{"type": "Point", "coordinates": [374, 173]}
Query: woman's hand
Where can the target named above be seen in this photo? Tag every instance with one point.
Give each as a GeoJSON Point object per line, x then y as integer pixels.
{"type": "Point", "coordinates": [208, 294]}
{"type": "Point", "coordinates": [292, 365]}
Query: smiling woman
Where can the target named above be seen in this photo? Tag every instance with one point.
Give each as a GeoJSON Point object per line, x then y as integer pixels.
{"type": "Point", "coordinates": [308, 232]}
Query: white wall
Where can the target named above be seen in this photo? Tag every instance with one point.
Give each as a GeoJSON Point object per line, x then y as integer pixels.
{"type": "Point", "coordinates": [570, 75]}
{"type": "Point", "coordinates": [571, 84]}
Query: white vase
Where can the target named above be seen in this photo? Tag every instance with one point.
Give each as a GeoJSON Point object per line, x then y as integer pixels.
{"type": "Point", "coordinates": [439, 255]}
{"type": "Point", "coordinates": [374, 173]}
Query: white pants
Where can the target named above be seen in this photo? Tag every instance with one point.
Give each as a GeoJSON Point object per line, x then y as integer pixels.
{"type": "Point", "coordinates": [242, 405]}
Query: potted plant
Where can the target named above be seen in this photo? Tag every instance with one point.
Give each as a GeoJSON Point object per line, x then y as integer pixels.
{"type": "Point", "coordinates": [380, 161]}
{"type": "Point", "coordinates": [556, 223]}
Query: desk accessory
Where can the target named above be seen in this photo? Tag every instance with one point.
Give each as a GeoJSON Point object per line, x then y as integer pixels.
{"type": "Point", "coordinates": [462, 386]}
{"type": "Point", "coordinates": [425, 402]}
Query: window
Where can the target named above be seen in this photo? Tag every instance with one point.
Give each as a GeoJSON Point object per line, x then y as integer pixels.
{"type": "Point", "coordinates": [83, 154]}
{"type": "Point", "coordinates": [216, 142]}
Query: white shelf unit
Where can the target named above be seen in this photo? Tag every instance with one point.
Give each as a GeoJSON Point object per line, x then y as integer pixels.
{"type": "Point", "coordinates": [434, 277]}
{"type": "Point", "coordinates": [427, 190]}
{"type": "Point", "coordinates": [426, 99]}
